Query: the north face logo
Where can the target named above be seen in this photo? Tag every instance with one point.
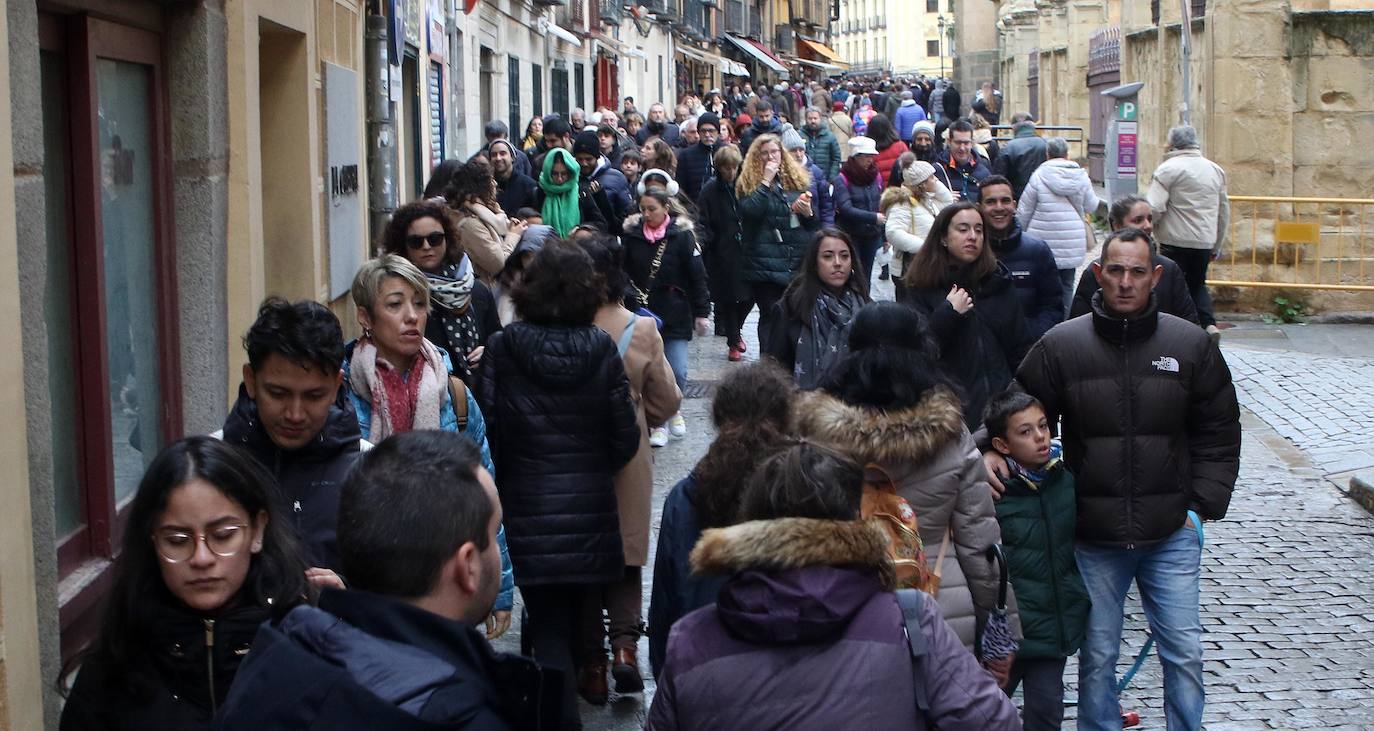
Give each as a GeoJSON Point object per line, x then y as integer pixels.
{"type": "Point", "coordinates": [1166, 364]}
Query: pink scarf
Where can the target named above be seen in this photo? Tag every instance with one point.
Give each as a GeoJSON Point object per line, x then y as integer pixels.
{"type": "Point", "coordinates": [400, 402]}
{"type": "Point", "coordinates": [654, 235]}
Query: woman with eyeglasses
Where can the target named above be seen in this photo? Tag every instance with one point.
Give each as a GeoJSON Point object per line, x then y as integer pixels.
{"type": "Point", "coordinates": [206, 558]}
{"type": "Point", "coordinates": [462, 311]}
{"type": "Point", "coordinates": [561, 198]}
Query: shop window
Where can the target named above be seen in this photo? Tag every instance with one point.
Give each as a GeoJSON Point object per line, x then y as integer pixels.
{"type": "Point", "coordinates": [110, 321]}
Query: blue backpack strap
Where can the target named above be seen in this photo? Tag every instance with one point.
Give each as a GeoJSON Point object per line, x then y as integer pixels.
{"type": "Point", "coordinates": [623, 345]}
{"type": "Point", "coordinates": [911, 601]}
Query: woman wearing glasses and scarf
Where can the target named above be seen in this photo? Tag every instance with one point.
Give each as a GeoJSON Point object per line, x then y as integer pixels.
{"type": "Point", "coordinates": [462, 311]}
{"type": "Point", "coordinates": [206, 559]}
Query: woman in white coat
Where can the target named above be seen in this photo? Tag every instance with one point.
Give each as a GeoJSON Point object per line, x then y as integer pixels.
{"type": "Point", "coordinates": [1053, 206]}
{"type": "Point", "coordinates": [911, 209]}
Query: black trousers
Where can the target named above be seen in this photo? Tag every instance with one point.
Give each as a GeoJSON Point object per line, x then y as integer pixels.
{"type": "Point", "coordinates": [1194, 263]}
{"type": "Point", "coordinates": [766, 294]}
{"type": "Point", "coordinates": [1043, 694]}
{"type": "Point", "coordinates": [553, 633]}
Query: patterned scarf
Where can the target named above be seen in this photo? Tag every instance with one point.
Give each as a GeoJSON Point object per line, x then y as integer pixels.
{"type": "Point", "coordinates": [400, 401]}
{"type": "Point", "coordinates": [1034, 477]}
{"type": "Point", "coordinates": [451, 292]}
{"type": "Point", "coordinates": [826, 339]}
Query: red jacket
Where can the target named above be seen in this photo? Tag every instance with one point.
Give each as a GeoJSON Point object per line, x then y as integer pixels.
{"type": "Point", "coordinates": [888, 158]}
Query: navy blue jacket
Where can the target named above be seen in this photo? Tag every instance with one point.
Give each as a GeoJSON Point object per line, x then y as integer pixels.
{"type": "Point", "coordinates": [676, 591]}
{"type": "Point", "coordinates": [617, 189]}
{"type": "Point", "coordinates": [856, 209]}
{"type": "Point", "coordinates": [695, 166]}
{"type": "Point", "coordinates": [310, 478]}
{"type": "Point", "coordinates": [365, 661]}
{"type": "Point", "coordinates": [755, 129]}
{"type": "Point", "coordinates": [1035, 277]}
{"type": "Point", "coordinates": [964, 178]}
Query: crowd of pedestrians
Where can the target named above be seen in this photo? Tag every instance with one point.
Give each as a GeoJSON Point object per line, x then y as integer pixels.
{"type": "Point", "coordinates": [343, 551]}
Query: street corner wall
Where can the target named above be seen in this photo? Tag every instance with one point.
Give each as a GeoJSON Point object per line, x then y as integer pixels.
{"type": "Point", "coordinates": [1333, 95]}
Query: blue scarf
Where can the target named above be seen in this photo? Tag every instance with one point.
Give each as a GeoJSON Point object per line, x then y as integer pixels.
{"type": "Point", "coordinates": [1036, 477]}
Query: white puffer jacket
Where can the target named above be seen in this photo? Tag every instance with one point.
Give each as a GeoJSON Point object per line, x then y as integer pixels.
{"type": "Point", "coordinates": [1052, 208]}
{"type": "Point", "coordinates": [908, 222]}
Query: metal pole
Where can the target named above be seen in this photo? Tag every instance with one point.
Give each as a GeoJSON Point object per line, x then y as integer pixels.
{"type": "Point", "coordinates": [1186, 52]}
{"type": "Point", "coordinates": [381, 127]}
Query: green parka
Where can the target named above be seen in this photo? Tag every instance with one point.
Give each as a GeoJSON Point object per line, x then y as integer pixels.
{"type": "Point", "coordinates": [773, 245]}
{"type": "Point", "coordinates": [1038, 537]}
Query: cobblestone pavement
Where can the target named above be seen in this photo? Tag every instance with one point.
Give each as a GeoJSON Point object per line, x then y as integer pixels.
{"type": "Point", "coordinates": [1289, 625]}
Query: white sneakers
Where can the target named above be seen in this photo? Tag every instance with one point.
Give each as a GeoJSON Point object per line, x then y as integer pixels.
{"type": "Point", "coordinates": [677, 426]}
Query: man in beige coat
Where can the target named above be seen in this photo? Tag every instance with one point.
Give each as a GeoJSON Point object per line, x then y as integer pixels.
{"type": "Point", "coordinates": [1192, 214]}
{"type": "Point", "coordinates": [656, 397]}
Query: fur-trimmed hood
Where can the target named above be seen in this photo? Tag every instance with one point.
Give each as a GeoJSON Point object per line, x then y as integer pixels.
{"type": "Point", "coordinates": [681, 220]}
{"type": "Point", "coordinates": [913, 434]}
{"type": "Point", "coordinates": [793, 543]}
{"type": "Point", "coordinates": [893, 196]}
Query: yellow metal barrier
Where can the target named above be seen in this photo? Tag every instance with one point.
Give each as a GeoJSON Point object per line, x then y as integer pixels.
{"type": "Point", "coordinates": [1299, 243]}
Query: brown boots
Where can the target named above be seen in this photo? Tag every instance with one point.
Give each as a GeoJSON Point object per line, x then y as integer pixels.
{"type": "Point", "coordinates": [625, 669]}
{"type": "Point", "coordinates": [591, 683]}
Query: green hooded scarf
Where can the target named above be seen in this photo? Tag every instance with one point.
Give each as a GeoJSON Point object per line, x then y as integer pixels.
{"type": "Point", "coordinates": [560, 209]}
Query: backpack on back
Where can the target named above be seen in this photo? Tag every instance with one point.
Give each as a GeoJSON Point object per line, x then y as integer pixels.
{"type": "Point", "coordinates": [882, 504]}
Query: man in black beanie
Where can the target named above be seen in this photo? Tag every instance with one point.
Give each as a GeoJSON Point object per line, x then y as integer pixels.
{"type": "Point", "coordinates": [696, 164]}
{"type": "Point", "coordinates": [607, 185]}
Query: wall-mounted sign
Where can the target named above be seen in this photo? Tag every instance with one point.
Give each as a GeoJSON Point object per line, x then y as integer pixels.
{"type": "Point", "coordinates": [1126, 147]}
{"type": "Point", "coordinates": [434, 31]}
{"type": "Point", "coordinates": [343, 155]}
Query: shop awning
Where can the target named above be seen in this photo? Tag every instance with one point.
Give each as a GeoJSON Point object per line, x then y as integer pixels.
{"type": "Point", "coordinates": [759, 53]}
{"type": "Point", "coordinates": [821, 51]}
{"type": "Point", "coordinates": [564, 35]}
{"type": "Point", "coordinates": [827, 67]}
{"type": "Point", "coordinates": [730, 67]}
{"type": "Point", "coordinates": [699, 55]}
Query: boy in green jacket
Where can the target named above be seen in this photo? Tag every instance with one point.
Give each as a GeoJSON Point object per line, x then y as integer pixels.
{"type": "Point", "coordinates": [1037, 518]}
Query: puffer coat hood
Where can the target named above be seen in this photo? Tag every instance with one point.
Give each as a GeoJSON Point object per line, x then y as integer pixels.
{"type": "Point", "coordinates": [928, 453]}
{"type": "Point", "coordinates": [801, 628]}
{"type": "Point", "coordinates": [1052, 207]}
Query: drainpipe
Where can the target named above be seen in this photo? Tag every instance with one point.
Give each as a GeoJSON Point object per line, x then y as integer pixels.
{"type": "Point", "coordinates": [381, 127]}
{"type": "Point", "coordinates": [1186, 39]}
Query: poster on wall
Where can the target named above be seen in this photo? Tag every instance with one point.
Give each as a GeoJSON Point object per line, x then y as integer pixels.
{"type": "Point", "coordinates": [414, 13]}
{"type": "Point", "coordinates": [343, 155]}
{"type": "Point", "coordinates": [435, 30]}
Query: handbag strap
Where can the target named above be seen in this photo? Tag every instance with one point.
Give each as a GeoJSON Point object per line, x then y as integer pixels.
{"type": "Point", "coordinates": [911, 601]}
{"type": "Point", "coordinates": [458, 391]}
{"type": "Point", "coordinates": [653, 272]}
{"type": "Point", "coordinates": [944, 547]}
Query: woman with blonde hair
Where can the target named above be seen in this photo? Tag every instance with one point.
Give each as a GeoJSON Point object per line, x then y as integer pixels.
{"type": "Point", "coordinates": [911, 210]}
{"type": "Point", "coordinates": [776, 223]}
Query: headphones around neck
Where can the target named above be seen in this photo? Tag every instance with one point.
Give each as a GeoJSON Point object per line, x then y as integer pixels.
{"type": "Point", "coordinates": [672, 184]}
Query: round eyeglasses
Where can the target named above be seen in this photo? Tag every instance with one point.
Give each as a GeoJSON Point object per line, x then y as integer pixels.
{"type": "Point", "coordinates": [176, 546]}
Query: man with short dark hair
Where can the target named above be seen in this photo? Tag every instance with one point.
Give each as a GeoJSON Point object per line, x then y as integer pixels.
{"type": "Point", "coordinates": [291, 417]}
{"type": "Point", "coordinates": [1028, 258]}
{"type": "Point", "coordinates": [1019, 159]}
{"type": "Point", "coordinates": [763, 123]}
{"type": "Point", "coordinates": [417, 537]}
{"type": "Point", "coordinates": [964, 167]}
{"type": "Point", "coordinates": [557, 133]}
{"type": "Point", "coordinates": [606, 185]}
{"type": "Point", "coordinates": [1151, 431]}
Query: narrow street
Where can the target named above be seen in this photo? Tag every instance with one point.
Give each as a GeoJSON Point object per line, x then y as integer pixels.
{"type": "Point", "coordinates": [1289, 622]}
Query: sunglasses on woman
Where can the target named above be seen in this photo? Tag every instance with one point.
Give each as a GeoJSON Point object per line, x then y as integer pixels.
{"type": "Point", "coordinates": [433, 238]}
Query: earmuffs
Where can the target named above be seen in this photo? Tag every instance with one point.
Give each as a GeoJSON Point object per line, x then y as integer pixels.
{"type": "Point", "coordinates": [672, 184]}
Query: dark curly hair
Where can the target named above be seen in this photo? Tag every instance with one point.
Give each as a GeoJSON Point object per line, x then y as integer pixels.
{"type": "Point", "coordinates": [306, 333]}
{"type": "Point", "coordinates": [440, 178]}
{"type": "Point", "coordinates": [608, 258]}
{"type": "Point", "coordinates": [471, 181]}
{"type": "Point", "coordinates": [560, 287]}
{"type": "Point", "coordinates": [394, 235]}
{"type": "Point", "coordinates": [752, 413]}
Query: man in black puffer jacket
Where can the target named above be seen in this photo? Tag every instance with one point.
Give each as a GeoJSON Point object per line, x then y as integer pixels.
{"type": "Point", "coordinates": [1152, 431]}
{"type": "Point", "coordinates": [696, 164]}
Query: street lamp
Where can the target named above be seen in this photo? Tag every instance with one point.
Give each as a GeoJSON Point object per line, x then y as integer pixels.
{"type": "Point", "coordinates": [940, 44]}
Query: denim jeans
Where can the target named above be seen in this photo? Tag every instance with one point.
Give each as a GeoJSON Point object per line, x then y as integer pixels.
{"type": "Point", "coordinates": [1167, 576]}
{"type": "Point", "coordinates": [1068, 281]}
{"type": "Point", "coordinates": [676, 353]}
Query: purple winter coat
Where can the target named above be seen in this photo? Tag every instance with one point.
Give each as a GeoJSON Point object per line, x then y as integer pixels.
{"type": "Point", "coordinates": [807, 634]}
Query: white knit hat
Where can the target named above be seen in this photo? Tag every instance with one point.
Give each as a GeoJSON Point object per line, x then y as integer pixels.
{"type": "Point", "coordinates": [862, 146]}
{"type": "Point", "coordinates": [917, 173]}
